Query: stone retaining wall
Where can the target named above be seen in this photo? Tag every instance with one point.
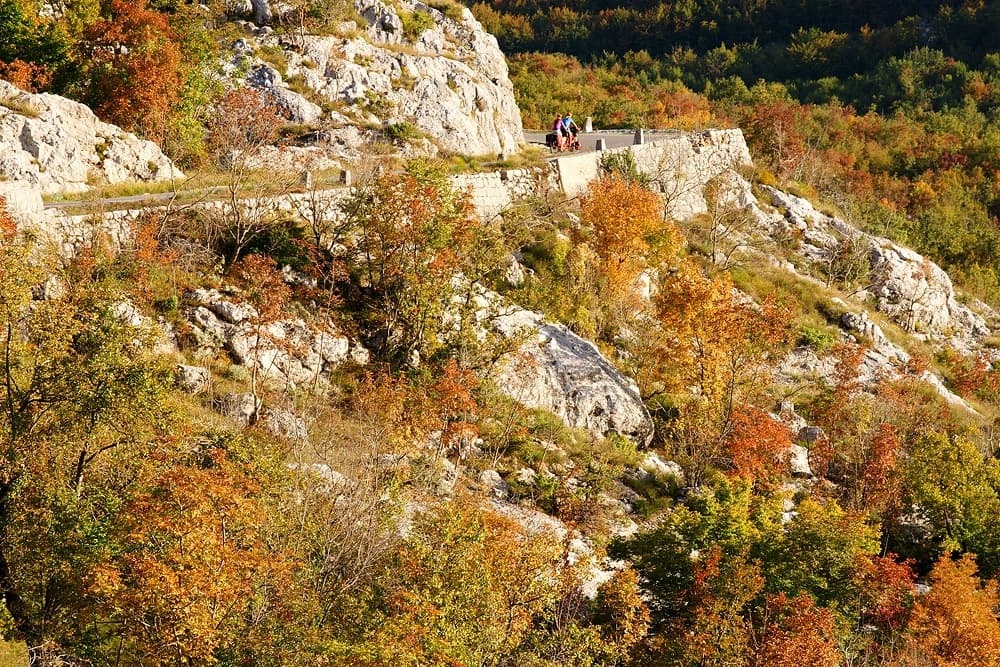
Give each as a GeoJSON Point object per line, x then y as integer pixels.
{"type": "Point", "coordinates": [679, 166]}
{"type": "Point", "coordinates": [494, 191]}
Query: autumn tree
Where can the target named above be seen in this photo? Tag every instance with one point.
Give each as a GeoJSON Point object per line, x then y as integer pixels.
{"type": "Point", "coordinates": [242, 122]}
{"type": "Point", "coordinates": [266, 292]}
{"type": "Point", "coordinates": [627, 232]}
{"type": "Point", "coordinates": [955, 622]}
{"type": "Point", "coordinates": [709, 354]}
{"type": "Point", "coordinates": [954, 486]}
{"type": "Point", "coordinates": [757, 446]}
{"type": "Point", "coordinates": [626, 221]}
{"type": "Point", "coordinates": [455, 570]}
{"type": "Point", "coordinates": [33, 50]}
{"type": "Point", "coordinates": [193, 571]}
{"type": "Point", "coordinates": [795, 632]}
{"type": "Point", "coordinates": [415, 261]}
{"type": "Point", "coordinates": [83, 411]}
{"type": "Point", "coordinates": [818, 553]}
{"type": "Point", "coordinates": [886, 596]}
{"type": "Point", "coordinates": [133, 66]}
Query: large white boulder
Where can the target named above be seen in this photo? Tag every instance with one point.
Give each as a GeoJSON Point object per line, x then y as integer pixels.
{"type": "Point", "coordinates": [558, 371]}
{"type": "Point", "coordinates": [59, 145]}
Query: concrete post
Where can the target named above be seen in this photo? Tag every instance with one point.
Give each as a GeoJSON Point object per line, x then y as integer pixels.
{"type": "Point", "coordinates": [345, 177]}
{"type": "Point", "coordinates": [588, 125]}
{"type": "Point", "coordinates": [640, 137]}
{"type": "Point", "coordinates": [307, 180]}
{"type": "Point", "coordinates": [599, 145]}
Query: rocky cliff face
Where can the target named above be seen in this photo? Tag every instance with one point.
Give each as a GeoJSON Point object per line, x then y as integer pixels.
{"type": "Point", "coordinates": [911, 290]}
{"type": "Point", "coordinates": [59, 145]}
{"type": "Point", "coordinates": [407, 63]}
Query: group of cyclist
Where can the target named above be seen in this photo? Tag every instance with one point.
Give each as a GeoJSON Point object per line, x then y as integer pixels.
{"type": "Point", "coordinates": [564, 133]}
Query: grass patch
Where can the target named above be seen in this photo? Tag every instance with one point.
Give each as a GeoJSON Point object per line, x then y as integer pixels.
{"type": "Point", "coordinates": [449, 8]}
{"type": "Point", "coordinates": [13, 654]}
{"type": "Point", "coordinates": [812, 303]}
{"type": "Point", "coordinates": [19, 106]}
{"type": "Point", "coordinates": [530, 157]}
{"type": "Point", "coordinates": [274, 56]}
{"type": "Point", "coordinates": [202, 186]}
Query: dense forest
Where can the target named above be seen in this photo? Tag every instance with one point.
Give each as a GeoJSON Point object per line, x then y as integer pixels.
{"type": "Point", "coordinates": [419, 516]}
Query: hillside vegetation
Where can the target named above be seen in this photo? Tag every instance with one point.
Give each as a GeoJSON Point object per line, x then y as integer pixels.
{"type": "Point", "coordinates": [889, 112]}
{"type": "Point", "coordinates": [277, 427]}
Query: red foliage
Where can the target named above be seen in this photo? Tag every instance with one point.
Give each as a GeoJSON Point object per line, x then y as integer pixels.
{"type": "Point", "coordinates": [877, 485]}
{"type": "Point", "coordinates": [27, 76]}
{"type": "Point", "coordinates": [134, 66]}
{"type": "Point", "coordinates": [456, 408]}
{"type": "Point", "coordinates": [8, 227]}
{"type": "Point", "coordinates": [796, 633]}
{"type": "Point", "coordinates": [773, 127]}
{"type": "Point", "coordinates": [757, 445]}
{"type": "Point", "coordinates": [887, 589]}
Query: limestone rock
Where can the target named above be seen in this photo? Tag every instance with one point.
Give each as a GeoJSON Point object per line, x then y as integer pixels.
{"type": "Point", "coordinates": [290, 350]}
{"type": "Point", "coordinates": [492, 480]}
{"type": "Point", "coordinates": [192, 379]}
{"type": "Point", "coordinates": [910, 289]}
{"type": "Point", "coordinates": [61, 146]}
{"type": "Point", "coordinates": [23, 200]}
{"type": "Point", "coordinates": [285, 424]}
{"type": "Point", "coordinates": [799, 462]}
{"type": "Point", "coordinates": [293, 105]}
{"type": "Point", "coordinates": [655, 465]}
{"type": "Point", "coordinates": [450, 82]}
{"type": "Point", "coordinates": [556, 370]}
{"type": "Point", "coordinates": [240, 407]}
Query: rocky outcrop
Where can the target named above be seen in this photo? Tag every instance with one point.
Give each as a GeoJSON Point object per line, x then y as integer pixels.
{"type": "Point", "coordinates": [443, 75]}
{"type": "Point", "coordinates": [912, 291]}
{"type": "Point", "coordinates": [59, 145]}
{"type": "Point", "coordinates": [882, 359]}
{"type": "Point", "coordinates": [556, 370]}
{"type": "Point", "coordinates": [289, 351]}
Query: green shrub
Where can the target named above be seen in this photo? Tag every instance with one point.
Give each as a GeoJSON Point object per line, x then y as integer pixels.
{"type": "Point", "coordinates": [415, 23]}
{"type": "Point", "coordinates": [402, 132]}
{"type": "Point", "coordinates": [817, 338]}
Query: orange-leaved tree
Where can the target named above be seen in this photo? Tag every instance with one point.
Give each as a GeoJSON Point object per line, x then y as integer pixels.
{"type": "Point", "coordinates": [627, 227]}
{"type": "Point", "coordinates": [710, 355]}
{"type": "Point", "coordinates": [624, 226]}
{"type": "Point", "coordinates": [757, 445]}
{"type": "Point", "coordinates": [795, 632]}
{"type": "Point", "coordinates": [955, 623]}
{"type": "Point", "coordinates": [133, 66]}
{"type": "Point", "coordinates": [468, 586]}
{"type": "Point", "coordinates": [195, 571]}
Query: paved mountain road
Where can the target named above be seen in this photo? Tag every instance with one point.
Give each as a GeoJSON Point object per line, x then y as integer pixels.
{"type": "Point", "coordinates": [588, 140]}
